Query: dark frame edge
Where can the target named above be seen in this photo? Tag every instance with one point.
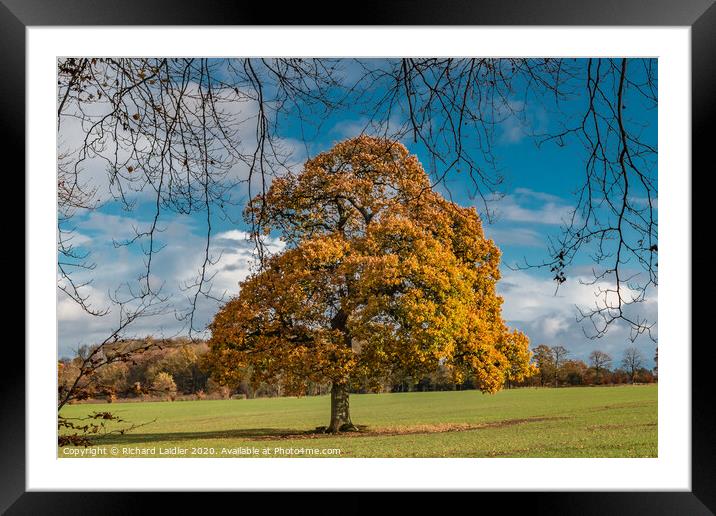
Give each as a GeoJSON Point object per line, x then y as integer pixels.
{"type": "Point", "coordinates": [372, 12]}
{"type": "Point", "coordinates": [582, 503]}
{"type": "Point", "coordinates": [702, 498]}
{"type": "Point", "coordinates": [12, 136]}
{"type": "Point", "coordinates": [703, 102]}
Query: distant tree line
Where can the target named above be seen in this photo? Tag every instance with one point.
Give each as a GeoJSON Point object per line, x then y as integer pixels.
{"type": "Point", "coordinates": [159, 369]}
{"type": "Point", "coordinates": [556, 369]}
{"type": "Point", "coordinates": [177, 369]}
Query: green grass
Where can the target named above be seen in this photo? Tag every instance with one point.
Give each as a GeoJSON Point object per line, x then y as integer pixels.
{"type": "Point", "coordinates": [567, 422]}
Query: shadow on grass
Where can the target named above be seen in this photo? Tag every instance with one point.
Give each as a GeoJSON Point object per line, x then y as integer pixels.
{"type": "Point", "coordinates": [251, 434]}
{"type": "Point", "coordinates": [273, 434]}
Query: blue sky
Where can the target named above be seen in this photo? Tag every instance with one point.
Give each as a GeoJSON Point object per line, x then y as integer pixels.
{"type": "Point", "coordinates": [538, 195]}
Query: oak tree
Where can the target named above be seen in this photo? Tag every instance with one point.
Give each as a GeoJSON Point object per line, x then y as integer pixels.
{"type": "Point", "coordinates": [380, 273]}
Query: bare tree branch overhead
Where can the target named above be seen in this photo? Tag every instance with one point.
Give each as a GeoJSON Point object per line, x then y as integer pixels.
{"type": "Point", "coordinates": [615, 217]}
{"type": "Point", "coordinates": [201, 136]}
{"type": "Point", "coordinates": [187, 133]}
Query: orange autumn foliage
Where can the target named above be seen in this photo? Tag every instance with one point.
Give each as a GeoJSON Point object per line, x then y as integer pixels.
{"type": "Point", "coordinates": [379, 273]}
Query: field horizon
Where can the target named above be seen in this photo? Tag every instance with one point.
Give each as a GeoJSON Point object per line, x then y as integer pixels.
{"type": "Point", "coordinates": [613, 421]}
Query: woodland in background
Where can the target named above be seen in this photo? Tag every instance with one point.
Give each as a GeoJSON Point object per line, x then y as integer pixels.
{"type": "Point", "coordinates": [178, 369]}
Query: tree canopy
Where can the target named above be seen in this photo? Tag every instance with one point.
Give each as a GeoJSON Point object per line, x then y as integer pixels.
{"type": "Point", "coordinates": [380, 272]}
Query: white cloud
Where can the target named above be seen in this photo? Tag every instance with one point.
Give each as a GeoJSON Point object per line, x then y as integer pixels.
{"type": "Point", "coordinates": [515, 236]}
{"type": "Point", "coordinates": [549, 213]}
{"type": "Point", "coordinates": [513, 130]}
{"type": "Point", "coordinates": [233, 157]}
{"type": "Point", "coordinates": [69, 310]}
{"type": "Point", "coordinates": [554, 325]}
{"type": "Point", "coordinates": [542, 196]}
{"type": "Point", "coordinates": [528, 206]}
{"type": "Point", "coordinates": [177, 264]}
{"type": "Point", "coordinates": [531, 305]}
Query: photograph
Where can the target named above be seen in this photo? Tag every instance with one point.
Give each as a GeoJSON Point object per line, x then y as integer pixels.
{"type": "Point", "coordinates": [357, 257]}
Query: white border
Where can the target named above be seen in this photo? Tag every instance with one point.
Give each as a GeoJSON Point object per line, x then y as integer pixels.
{"type": "Point", "coordinates": [671, 470]}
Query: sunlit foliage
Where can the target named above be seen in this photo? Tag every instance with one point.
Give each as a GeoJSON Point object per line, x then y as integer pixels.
{"type": "Point", "coordinates": [379, 272]}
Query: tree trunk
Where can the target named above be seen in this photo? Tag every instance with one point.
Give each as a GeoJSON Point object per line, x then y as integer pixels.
{"type": "Point", "coordinates": [340, 410]}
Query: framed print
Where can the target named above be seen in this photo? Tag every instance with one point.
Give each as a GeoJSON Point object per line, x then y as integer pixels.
{"type": "Point", "coordinates": [419, 250]}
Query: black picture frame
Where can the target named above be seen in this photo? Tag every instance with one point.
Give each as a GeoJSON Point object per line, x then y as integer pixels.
{"type": "Point", "coordinates": [700, 15]}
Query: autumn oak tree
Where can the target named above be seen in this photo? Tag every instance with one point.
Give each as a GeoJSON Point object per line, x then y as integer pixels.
{"type": "Point", "coordinates": [379, 273]}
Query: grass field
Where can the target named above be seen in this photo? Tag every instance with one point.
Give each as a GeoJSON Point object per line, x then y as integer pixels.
{"type": "Point", "coordinates": [567, 422]}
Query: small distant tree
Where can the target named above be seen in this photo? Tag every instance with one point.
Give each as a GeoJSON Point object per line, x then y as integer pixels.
{"type": "Point", "coordinates": [559, 354]}
{"type": "Point", "coordinates": [164, 384]}
{"type": "Point", "coordinates": [632, 362]}
{"type": "Point", "coordinates": [544, 361]}
{"type": "Point", "coordinates": [185, 364]}
{"type": "Point", "coordinates": [600, 361]}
